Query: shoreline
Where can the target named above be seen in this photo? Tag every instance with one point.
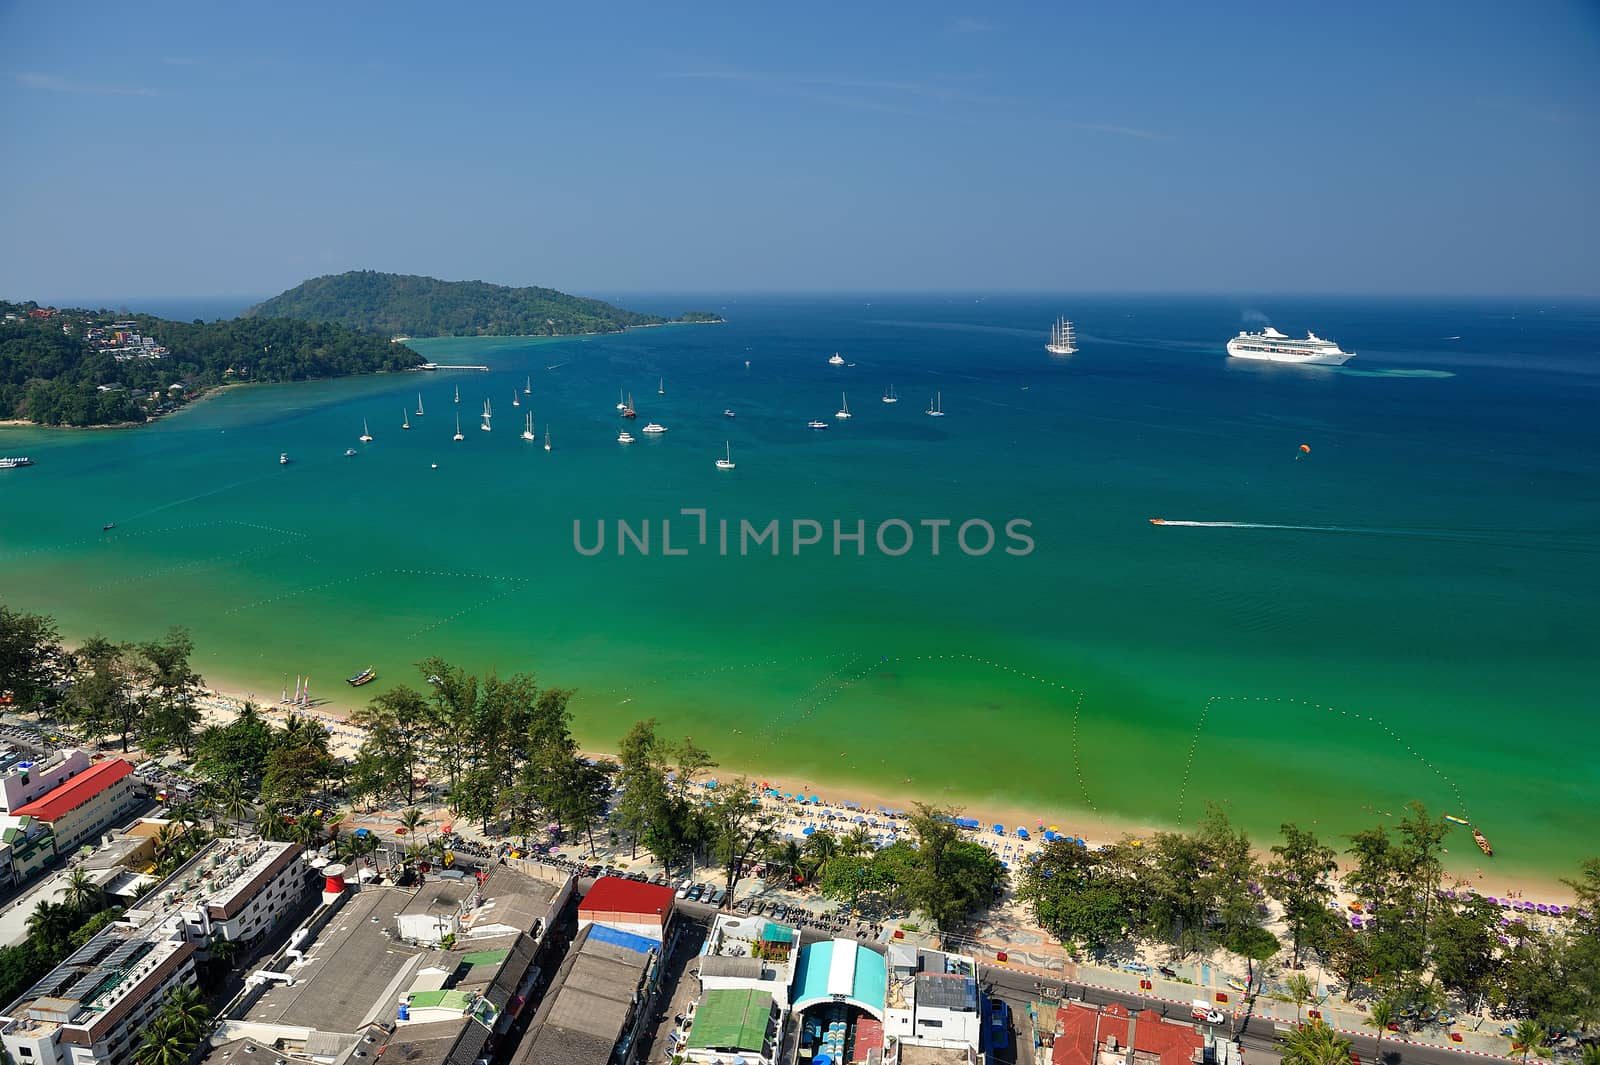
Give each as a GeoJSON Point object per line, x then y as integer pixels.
{"type": "Point", "coordinates": [1548, 888]}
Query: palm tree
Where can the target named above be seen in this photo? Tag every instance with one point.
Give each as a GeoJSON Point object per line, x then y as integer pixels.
{"type": "Point", "coordinates": [186, 1013]}
{"type": "Point", "coordinates": [858, 842]}
{"type": "Point", "coordinates": [819, 847]}
{"type": "Point", "coordinates": [1380, 1017]}
{"type": "Point", "coordinates": [1315, 1044]}
{"type": "Point", "coordinates": [784, 859]}
{"type": "Point", "coordinates": [273, 825]}
{"type": "Point", "coordinates": [232, 803]}
{"type": "Point", "coordinates": [411, 819]}
{"type": "Point", "coordinates": [51, 924]}
{"type": "Point", "coordinates": [1530, 1036]}
{"type": "Point", "coordinates": [309, 832]}
{"type": "Point", "coordinates": [1299, 987]}
{"type": "Point", "coordinates": [83, 894]}
{"type": "Point", "coordinates": [163, 1044]}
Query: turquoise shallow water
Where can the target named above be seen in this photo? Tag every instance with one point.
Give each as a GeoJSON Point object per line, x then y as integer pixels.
{"type": "Point", "coordinates": [1427, 630]}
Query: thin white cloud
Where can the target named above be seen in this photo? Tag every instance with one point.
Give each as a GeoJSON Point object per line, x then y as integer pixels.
{"type": "Point", "coordinates": [969, 25]}
{"type": "Point", "coordinates": [55, 83]}
{"type": "Point", "coordinates": [876, 94]}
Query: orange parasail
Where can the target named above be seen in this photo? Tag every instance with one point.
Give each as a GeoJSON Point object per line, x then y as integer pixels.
{"type": "Point", "coordinates": [1306, 448]}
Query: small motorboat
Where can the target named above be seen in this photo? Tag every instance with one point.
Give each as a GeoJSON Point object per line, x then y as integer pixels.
{"type": "Point", "coordinates": [1158, 521]}
{"type": "Point", "coordinates": [283, 459]}
{"type": "Point", "coordinates": [727, 414]}
{"type": "Point", "coordinates": [1482, 842]}
{"type": "Point", "coordinates": [816, 423]}
{"type": "Point", "coordinates": [1453, 819]}
{"type": "Point", "coordinates": [364, 677]}
{"type": "Point", "coordinates": [108, 526]}
{"type": "Point", "coordinates": [349, 452]}
{"type": "Point", "coordinates": [655, 428]}
{"type": "Point", "coordinates": [624, 437]}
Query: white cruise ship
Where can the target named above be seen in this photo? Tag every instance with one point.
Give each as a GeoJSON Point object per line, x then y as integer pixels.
{"type": "Point", "coordinates": [1272, 346]}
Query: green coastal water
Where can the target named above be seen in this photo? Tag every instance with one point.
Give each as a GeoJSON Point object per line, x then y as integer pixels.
{"type": "Point", "coordinates": [1426, 631]}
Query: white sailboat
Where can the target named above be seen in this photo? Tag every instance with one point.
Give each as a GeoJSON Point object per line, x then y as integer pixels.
{"type": "Point", "coordinates": [935, 410]}
{"type": "Point", "coordinates": [527, 389]}
{"type": "Point", "coordinates": [1062, 339]}
{"type": "Point", "coordinates": [844, 407]}
{"type": "Point", "coordinates": [405, 419]}
{"type": "Point", "coordinates": [487, 413]}
{"type": "Point", "coordinates": [516, 401]}
{"type": "Point", "coordinates": [419, 404]}
{"type": "Point", "coordinates": [726, 463]}
{"type": "Point", "coordinates": [366, 435]}
{"type": "Point", "coordinates": [547, 438]}
{"type": "Point", "coordinates": [661, 387]}
{"type": "Point", "coordinates": [458, 393]}
{"type": "Point", "coordinates": [458, 436]}
{"type": "Point", "coordinates": [622, 404]}
{"type": "Point", "coordinates": [890, 397]}
{"type": "Point", "coordinates": [527, 434]}
{"type": "Point", "coordinates": [836, 359]}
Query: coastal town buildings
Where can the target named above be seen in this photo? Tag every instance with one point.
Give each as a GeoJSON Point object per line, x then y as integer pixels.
{"type": "Point", "coordinates": [26, 846]}
{"type": "Point", "coordinates": [1110, 1035]}
{"type": "Point", "coordinates": [840, 997]}
{"type": "Point", "coordinates": [434, 974]}
{"type": "Point", "coordinates": [25, 778]}
{"type": "Point", "coordinates": [90, 1009]}
{"type": "Point", "coordinates": [746, 970]}
{"type": "Point", "coordinates": [83, 805]}
{"type": "Point", "coordinates": [643, 909]}
{"type": "Point", "coordinates": [932, 1011]}
{"type": "Point", "coordinates": [599, 1002]}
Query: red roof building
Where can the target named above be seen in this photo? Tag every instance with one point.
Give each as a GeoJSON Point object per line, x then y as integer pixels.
{"type": "Point", "coordinates": [1091, 1036]}
{"type": "Point", "coordinates": [85, 804]}
{"type": "Point", "coordinates": [643, 909]}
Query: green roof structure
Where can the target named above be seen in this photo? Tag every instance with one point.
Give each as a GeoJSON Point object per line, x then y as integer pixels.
{"type": "Point", "coordinates": [777, 933]}
{"type": "Point", "coordinates": [731, 1019]}
{"type": "Point", "coordinates": [449, 999]}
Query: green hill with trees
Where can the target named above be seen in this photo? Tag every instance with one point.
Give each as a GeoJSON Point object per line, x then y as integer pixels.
{"type": "Point", "coordinates": [78, 367]}
{"type": "Point", "coordinates": [408, 305]}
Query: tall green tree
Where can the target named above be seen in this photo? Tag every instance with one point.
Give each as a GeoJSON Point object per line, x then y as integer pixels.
{"type": "Point", "coordinates": [31, 658]}
{"type": "Point", "coordinates": [1082, 895]}
{"type": "Point", "coordinates": [170, 688]}
{"type": "Point", "coordinates": [1299, 879]}
{"type": "Point", "coordinates": [740, 829]}
{"type": "Point", "coordinates": [951, 877]}
{"type": "Point", "coordinates": [102, 700]}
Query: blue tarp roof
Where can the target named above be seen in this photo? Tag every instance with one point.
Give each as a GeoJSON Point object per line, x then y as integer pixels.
{"type": "Point", "coordinates": [626, 940]}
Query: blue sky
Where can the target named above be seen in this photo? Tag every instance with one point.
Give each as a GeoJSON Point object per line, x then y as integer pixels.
{"type": "Point", "coordinates": [178, 149]}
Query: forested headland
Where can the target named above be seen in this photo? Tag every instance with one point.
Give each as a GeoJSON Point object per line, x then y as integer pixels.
{"type": "Point", "coordinates": [86, 367]}
{"type": "Point", "coordinates": [410, 305]}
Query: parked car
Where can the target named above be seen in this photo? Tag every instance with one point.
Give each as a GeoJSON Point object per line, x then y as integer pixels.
{"type": "Point", "coordinates": [1201, 1010]}
{"type": "Point", "coordinates": [659, 879]}
{"type": "Point", "coordinates": [717, 896]}
{"type": "Point", "coordinates": [743, 906]}
{"type": "Point", "coordinates": [696, 891]}
{"type": "Point", "coordinates": [683, 889]}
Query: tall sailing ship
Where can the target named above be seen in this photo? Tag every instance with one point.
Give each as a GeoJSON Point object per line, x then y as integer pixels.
{"type": "Point", "coordinates": [1063, 341]}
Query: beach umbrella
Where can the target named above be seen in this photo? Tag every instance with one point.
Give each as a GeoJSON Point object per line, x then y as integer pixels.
{"type": "Point", "coordinates": [999, 830]}
{"type": "Point", "coordinates": [1054, 828]}
{"type": "Point", "coordinates": [807, 830]}
{"type": "Point", "coordinates": [816, 798]}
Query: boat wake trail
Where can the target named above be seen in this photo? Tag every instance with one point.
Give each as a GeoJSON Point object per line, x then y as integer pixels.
{"type": "Point", "coordinates": [1541, 539]}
